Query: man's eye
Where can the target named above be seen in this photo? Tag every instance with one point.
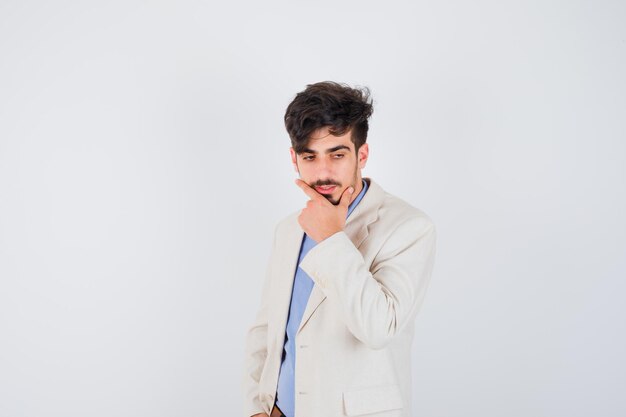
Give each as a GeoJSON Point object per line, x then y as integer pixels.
{"type": "Point", "coordinates": [339, 155]}
{"type": "Point", "coordinates": [307, 158]}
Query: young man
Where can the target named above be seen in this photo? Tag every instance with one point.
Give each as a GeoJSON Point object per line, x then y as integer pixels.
{"type": "Point", "coordinates": [345, 279]}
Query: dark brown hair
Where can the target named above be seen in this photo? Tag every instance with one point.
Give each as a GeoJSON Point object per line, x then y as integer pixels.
{"type": "Point", "coordinates": [331, 104]}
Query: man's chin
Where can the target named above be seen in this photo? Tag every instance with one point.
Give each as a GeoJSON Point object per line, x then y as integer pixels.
{"type": "Point", "coordinates": [332, 199]}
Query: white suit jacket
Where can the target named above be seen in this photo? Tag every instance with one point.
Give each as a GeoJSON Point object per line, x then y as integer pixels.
{"type": "Point", "coordinates": [353, 346]}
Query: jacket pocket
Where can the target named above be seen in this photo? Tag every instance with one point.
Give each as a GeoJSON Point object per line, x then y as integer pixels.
{"type": "Point", "coordinates": [372, 399]}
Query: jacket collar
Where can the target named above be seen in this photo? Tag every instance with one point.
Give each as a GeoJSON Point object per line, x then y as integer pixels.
{"type": "Point", "coordinates": [364, 214]}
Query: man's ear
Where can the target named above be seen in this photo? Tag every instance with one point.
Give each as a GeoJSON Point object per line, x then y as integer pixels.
{"type": "Point", "coordinates": [362, 155]}
{"type": "Point", "coordinates": [294, 159]}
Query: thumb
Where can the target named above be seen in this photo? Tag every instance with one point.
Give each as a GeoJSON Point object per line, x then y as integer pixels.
{"type": "Point", "coordinates": [345, 197]}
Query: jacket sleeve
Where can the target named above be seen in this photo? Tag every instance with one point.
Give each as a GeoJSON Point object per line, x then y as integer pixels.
{"type": "Point", "coordinates": [256, 347]}
{"type": "Point", "coordinates": [377, 302]}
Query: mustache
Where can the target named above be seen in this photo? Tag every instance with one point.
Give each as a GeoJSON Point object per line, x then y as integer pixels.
{"type": "Point", "coordinates": [325, 183]}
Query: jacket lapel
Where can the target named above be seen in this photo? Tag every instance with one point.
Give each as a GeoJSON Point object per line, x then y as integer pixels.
{"type": "Point", "coordinates": [290, 249]}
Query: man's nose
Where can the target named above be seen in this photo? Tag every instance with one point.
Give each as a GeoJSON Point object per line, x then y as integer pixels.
{"type": "Point", "coordinates": [324, 168]}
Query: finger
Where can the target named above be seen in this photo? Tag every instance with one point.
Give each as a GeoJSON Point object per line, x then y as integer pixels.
{"type": "Point", "coordinates": [345, 197]}
{"type": "Point", "coordinates": [311, 192]}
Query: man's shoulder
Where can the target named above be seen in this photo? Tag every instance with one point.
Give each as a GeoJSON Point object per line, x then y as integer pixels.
{"type": "Point", "coordinates": [289, 220]}
{"type": "Point", "coordinates": [402, 210]}
{"type": "Point", "coordinates": [395, 211]}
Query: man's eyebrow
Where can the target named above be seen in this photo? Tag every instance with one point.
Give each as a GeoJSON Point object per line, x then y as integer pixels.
{"type": "Point", "coordinates": [330, 150]}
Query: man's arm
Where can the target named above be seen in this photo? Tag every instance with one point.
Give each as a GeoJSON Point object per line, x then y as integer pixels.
{"type": "Point", "coordinates": [256, 347]}
{"type": "Point", "coordinates": [376, 304]}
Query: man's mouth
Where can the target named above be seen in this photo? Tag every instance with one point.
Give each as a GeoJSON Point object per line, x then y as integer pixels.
{"type": "Point", "coordinates": [326, 189]}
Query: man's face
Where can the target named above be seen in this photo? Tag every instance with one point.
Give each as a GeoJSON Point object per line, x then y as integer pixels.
{"type": "Point", "coordinates": [331, 162]}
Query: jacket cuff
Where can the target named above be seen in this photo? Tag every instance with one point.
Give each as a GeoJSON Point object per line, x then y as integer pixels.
{"type": "Point", "coordinates": [320, 263]}
{"type": "Point", "coordinates": [253, 409]}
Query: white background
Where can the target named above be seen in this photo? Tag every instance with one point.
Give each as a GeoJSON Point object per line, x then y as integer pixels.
{"type": "Point", "coordinates": [144, 164]}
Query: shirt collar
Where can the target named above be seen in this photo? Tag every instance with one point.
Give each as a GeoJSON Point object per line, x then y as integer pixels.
{"type": "Point", "coordinates": [358, 198]}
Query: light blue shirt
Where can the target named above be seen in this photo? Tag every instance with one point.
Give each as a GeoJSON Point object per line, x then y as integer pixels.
{"type": "Point", "coordinates": [302, 286]}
